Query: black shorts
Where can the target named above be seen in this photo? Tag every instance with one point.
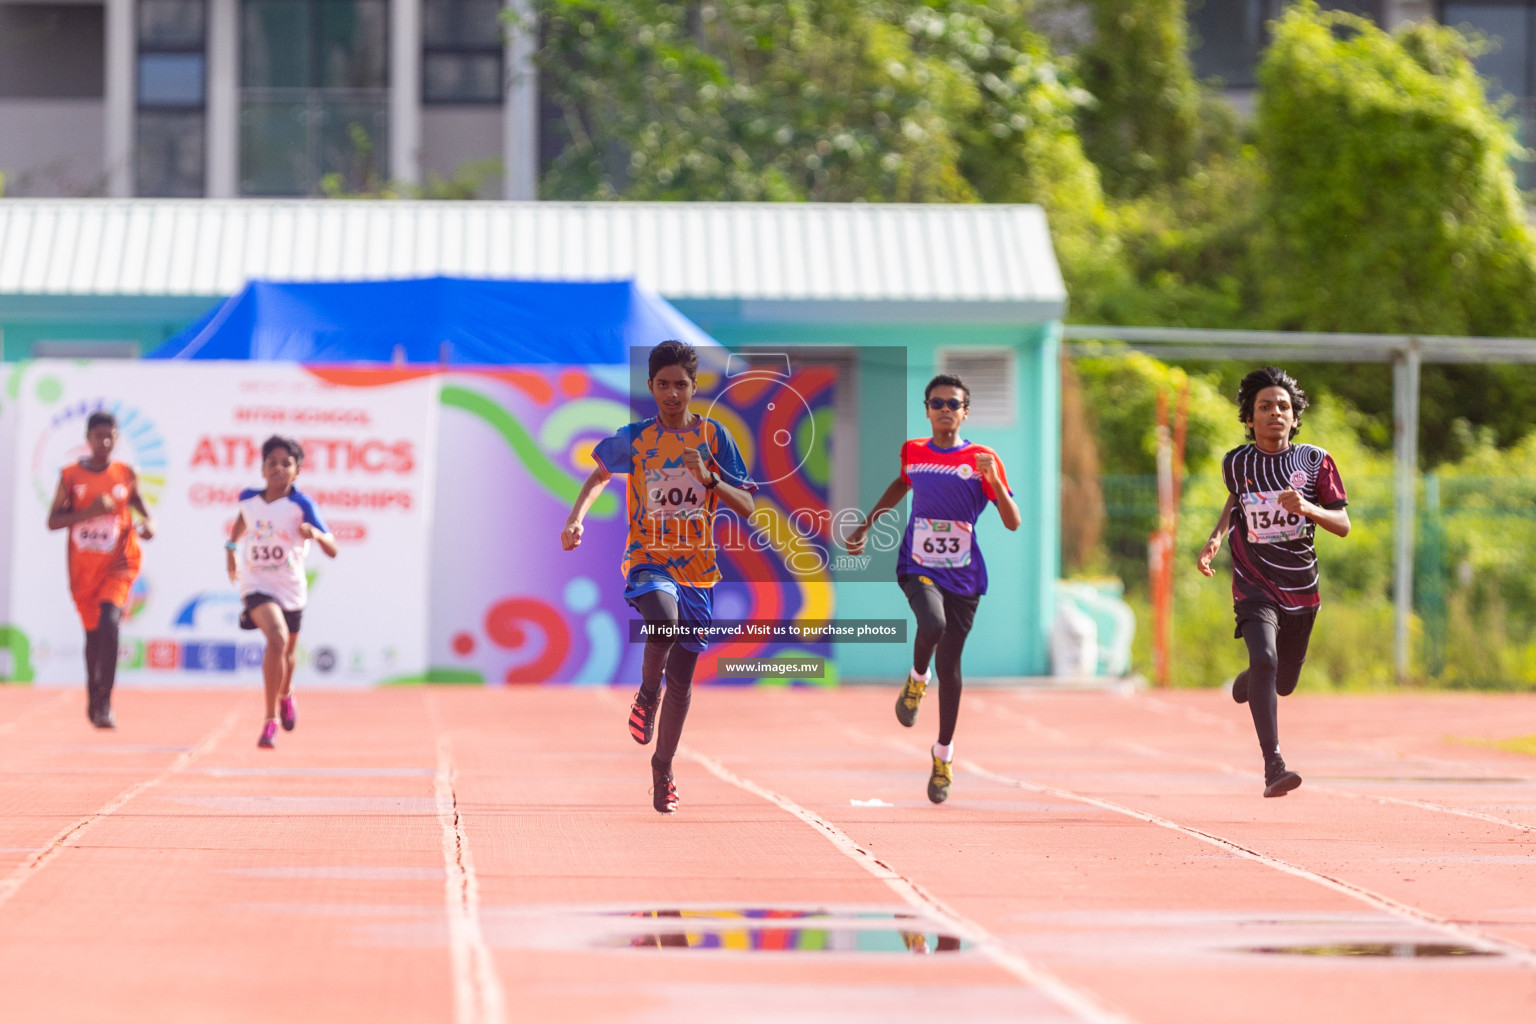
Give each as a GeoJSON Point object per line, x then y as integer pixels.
{"type": "Point", "coordinates": [959, 609]}
{"type": "Point", "coordinates": [1293, 630]}
{"type": "Point", "coordinates": [294, 619]}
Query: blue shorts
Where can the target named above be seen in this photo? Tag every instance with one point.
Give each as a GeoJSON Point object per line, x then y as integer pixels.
{"type": "Point", "coordinates": [695, 605]}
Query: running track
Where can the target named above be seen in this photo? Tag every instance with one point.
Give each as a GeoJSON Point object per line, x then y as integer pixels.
{"type": "Point", "coordinates": [447, 854]}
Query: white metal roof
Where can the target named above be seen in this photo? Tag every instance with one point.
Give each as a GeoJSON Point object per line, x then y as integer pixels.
{"type": "Point", "coordinates": [966, 262]}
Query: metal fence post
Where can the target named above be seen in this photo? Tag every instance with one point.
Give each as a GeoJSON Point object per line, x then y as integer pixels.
{"type": "Point", "coordinates": [1405, 443]}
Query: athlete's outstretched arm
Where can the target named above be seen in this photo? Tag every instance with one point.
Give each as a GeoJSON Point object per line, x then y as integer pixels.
{"type": "Point", "coordinates": [889, 500]}
{"type": "Point", "coordinates": [570, 537]}
{"type": "Point", "coordinates": [136, 502]}
{"type": "Point", "coordinates": [1334, 520]}
{"type": "Point", "coordinates": [1223, 523]}
{"type": "Point", "coordinates": [235, 533]}
{"type": "Point", "coordinates": [61, 516]}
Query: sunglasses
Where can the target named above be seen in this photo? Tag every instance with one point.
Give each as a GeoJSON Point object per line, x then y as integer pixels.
{"type": "Point", "coordinates": [952, 404]}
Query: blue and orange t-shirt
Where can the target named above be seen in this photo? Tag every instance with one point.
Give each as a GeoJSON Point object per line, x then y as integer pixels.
{"type": "Point", "coordinates": [948, 496]}
{"type": "Point", "coordinates": [671, 515]}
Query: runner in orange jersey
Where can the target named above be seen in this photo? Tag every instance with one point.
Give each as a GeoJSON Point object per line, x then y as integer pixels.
{"type": "Point", "coordinates": [95, 502]}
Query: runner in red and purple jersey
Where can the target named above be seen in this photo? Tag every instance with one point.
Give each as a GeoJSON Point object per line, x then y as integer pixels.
{"type": "Point", "coordinates": [940, 567]}
{"type": "Point", "coordinates": [1278, 493]}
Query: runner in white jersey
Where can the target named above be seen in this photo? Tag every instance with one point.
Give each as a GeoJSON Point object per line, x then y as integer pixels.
{"type": "Point", "coordinates": [1278, 493]}
{"type": "Point", "coordinates": [271, 535]}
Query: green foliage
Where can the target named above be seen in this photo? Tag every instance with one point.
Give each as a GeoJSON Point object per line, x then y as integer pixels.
{"type": "Point", "coordinates": [1391, 202]}
{"type": "Point", "coordinates": [1143, 128]}
{"type": "Point", "coordinates": [793, 99]}
{"type": "Point", "coordinates": [1121, 394]}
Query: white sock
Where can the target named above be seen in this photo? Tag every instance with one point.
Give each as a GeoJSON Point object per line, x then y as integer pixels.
{"type": "Point", "coordinates": [944, 751]}
{"type": "Point", "coordinates": [921, 678]}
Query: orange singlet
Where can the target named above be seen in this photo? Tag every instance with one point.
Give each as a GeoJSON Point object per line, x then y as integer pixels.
{"type": "Point", "coordinates": [104, 550]}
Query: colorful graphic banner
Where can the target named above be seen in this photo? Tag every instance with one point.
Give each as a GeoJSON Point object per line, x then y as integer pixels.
{"type": "Point", "coordinates": [193, 431]}
{"type": "Point", "coordinates": [510, 607]}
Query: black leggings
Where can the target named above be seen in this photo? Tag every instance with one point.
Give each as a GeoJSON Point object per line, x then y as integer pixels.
{"type": "Point", "coordinates": [943, 622]}
{"type": "Point", "coordinates": [1277, 648]}
{"type": "Point", "coordinates": [101, 653]}
{"type": "Point", "coordinates": [677, 663]}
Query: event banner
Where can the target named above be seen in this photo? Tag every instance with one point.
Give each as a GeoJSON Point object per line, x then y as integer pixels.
{"type": "Point", "coordinates": [509, 607]}
{"type": "Point", "coordinates": [193, 432]}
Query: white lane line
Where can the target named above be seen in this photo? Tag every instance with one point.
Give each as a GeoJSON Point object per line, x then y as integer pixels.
{"type": "Point", "coordinates": [1063, 994]}
{"type": "Point", "coordinates": [477, 992]}
{"type": "Point", "coordinates": [1164, 707]}
{"type": "Point", "coordinates": [478, 996]}
{"type": "Point", "coordinates": [41, 858]}
{"type": "Point", "coordinates": [1316, 787]}
{"type": "Point", "coordinates": [1323, 787]}
{"type": "Point", "coordinates": [1376, 900]}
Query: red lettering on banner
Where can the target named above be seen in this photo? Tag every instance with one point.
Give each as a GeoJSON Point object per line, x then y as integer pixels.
{"type": "Point", "coordinates": [203, 454]}
{"type": "Point", "coordinates": [322, 454]}
{"type": "Point", "coordinates": [349, 531]}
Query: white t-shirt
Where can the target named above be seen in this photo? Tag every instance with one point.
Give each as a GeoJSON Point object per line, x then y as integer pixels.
{"type": "Point", "coordinates": [272, 549]}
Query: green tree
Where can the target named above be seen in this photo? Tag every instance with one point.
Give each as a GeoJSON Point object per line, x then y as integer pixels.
{"type": "Point", "coordinates": [789, 99]}
{"type": "Point", "coordinates": [1144, 126]}
{"type": "Point", "coordinates": [1391, 199]}
{"type": "Point", "coordinates": [1392, 207]}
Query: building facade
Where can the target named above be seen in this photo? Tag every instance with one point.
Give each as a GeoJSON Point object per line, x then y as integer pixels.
{"type": "Point", "coordinates": [229, 98]}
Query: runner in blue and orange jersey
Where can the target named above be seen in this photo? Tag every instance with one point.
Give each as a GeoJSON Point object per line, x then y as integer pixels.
{"type": "Point", "coordinates": [940, 568]}
{"type": "Point", "coordinates": [1278, 493]}
{"type": "Point", "coordinates": [682, 468]}
{"type": "Point", "coordinates": [95, 502]}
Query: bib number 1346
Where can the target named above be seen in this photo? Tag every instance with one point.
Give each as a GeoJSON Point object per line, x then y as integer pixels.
{"type": "Point", "coordinates": [1268, 521]}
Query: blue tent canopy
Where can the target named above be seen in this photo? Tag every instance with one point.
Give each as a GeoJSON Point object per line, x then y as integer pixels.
{"type": "Point", "coordinates": [431, 320]}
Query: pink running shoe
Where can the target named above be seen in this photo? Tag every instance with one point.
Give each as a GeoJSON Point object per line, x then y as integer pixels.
{"type": "Point", "coordinates": [290, 717]}
{"type": "Point", "coordinates": [268, 733]}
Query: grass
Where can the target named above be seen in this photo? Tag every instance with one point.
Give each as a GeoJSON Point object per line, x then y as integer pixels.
{"type": "Point", "coordinates": [1515, 745]}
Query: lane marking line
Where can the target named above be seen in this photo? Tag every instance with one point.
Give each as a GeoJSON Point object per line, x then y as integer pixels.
{"type": "Point", "coordinates": [1370, 897]}
{"type": "Point", "coordinates": [40, 859]}
{"type": "Point", "coordinates": [1062, 993]}
{"type": "Point", "coordinates": [1164, 707]}
{"type": "Point", "coordinates": [477, 992]}
{"type": "Point", "coordinates": [1349, 794]}
{"type": "Point", "coordinates": [1323, 787]}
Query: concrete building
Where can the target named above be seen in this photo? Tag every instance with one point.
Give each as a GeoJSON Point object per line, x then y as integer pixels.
{"type": "Point", "coordinates": [227, 98]}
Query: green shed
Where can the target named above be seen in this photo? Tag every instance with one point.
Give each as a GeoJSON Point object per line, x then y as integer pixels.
{"type": "Point", "coordinates": [897, 293]}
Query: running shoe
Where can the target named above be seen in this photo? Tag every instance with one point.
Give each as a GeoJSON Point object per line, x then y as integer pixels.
{"type": "Point", "coordinates": [104, 718]}
{"type": "Point", "coordinates": [290, 716]}
{"type": "Point", "coordinates": [1278, 779]}
{"type": "Point", "coordinates": [268, 734]}
{"type": "Point", "coordinates": [938, 782]}
{"type": "Point", "coordinates": [911, 697]}
{"type": "Point", "coordinates": [642, 717]}
{"type": "Point", "coordinates": [1240, 687]}
{"type": "Point", "coordinates": [663, 791]}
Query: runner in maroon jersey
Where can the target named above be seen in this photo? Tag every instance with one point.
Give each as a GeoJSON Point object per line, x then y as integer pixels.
{"type": "Point", "coordinates": [1278, 493]}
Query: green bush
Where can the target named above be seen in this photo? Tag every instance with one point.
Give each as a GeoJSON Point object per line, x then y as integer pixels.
{"type": "Point", "coordinates": [1391, 201]}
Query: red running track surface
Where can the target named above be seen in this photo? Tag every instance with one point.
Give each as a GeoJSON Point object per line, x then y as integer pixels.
{"type": "Point", "coordinates": [472, 855]}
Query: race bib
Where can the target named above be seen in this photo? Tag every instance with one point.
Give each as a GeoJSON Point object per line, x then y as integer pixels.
{"type": "Point", "coordinates": [941, 543]}
{"type": "Point", "coordinates": [1268, 521]}
{"type": "Point", "coordinates": [98, 535]}
{"type": "Point", "coordinates": [673, 493]}
{"type": "Point", "coordinates": [267, 554]}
